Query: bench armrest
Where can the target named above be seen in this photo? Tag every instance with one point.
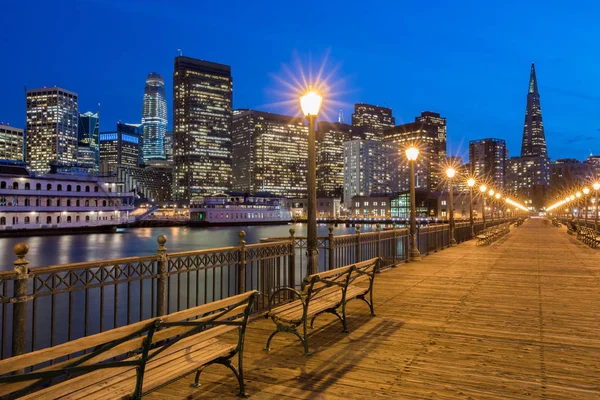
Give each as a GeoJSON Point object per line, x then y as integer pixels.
{"type": "Point", "coordinates": [283, 289]}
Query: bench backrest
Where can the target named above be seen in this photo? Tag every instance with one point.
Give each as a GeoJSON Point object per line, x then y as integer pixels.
{"type": "Point", "coordinates": [365, 270]}
{"type": "Point", "coordinates": [113, 348]}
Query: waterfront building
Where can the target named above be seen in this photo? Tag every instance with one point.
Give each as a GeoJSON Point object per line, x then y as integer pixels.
{"type": "Point", "coordinates": [373, 120]}
{"type": "Point", "coordinates": [12, 143]}
{"type": "Point", "coordinates": [331, 137]}
{"type": "Point", "coordinates": [52, 128]}
{"type": "Point", "coordinates": [488, 160]}
{"type": "Point", "coordinates": [432, 151]}
{"type": "Point", "coordinates": [88, 145]}
{"type": "Point", "coordinates": [202, 113]}
{"type": "Point", "coordinates": [168, 144]}
{"type": "Point", "coordinates": [237, 209]}
{"type": "Point", "coordinates": [270, 153]}
{"type": "Point", "coordinates": [154, 118]}
{"type": "Point", "coordinates": [121, 147]}
{"type": "Point", "coordinates": [368, 168]}
{"type": "Point", "coordinates": [327, 207]}
{"type": "Point", "coordinates": [59, 201]}
{"type": "Point", "coordinates": [153, 181]}
{"type": "Point", "coordinates": [375, 206]}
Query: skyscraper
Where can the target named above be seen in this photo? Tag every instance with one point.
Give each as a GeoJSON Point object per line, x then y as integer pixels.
{"type": "Point", "coordinates": [488, 160]}
{"type": "Point", "coordinates": [154, 117]}
{"type": "Point", "coordinates": [270, 153]}
{"type": "Point", "coordinates": [331, 137]}
{"type": "Point", "coordinates": [120, 148]}
{"type": "Point", "coordinates": [88, 150]}
{"type": "Point", "coordinates": [168, 145]}
{"type": "Point", "coordinates": [534, 140]}
{"type": "Point", "coordinates": [202, 101]}
{"type": "Point", "coordinates": [373, 120]}
{"type": "Point", "coordinates": [52, 125]}
{"type": "Point", "coordinates": [368, 166]}
{"type": "Point", "coordinates": [12, 143]}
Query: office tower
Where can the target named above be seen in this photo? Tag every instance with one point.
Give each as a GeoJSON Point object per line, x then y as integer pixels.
{"type": "Point", "coordinates": [331, 137]}
{"type": "Point", "coordinates": [88, 150]}
{"type": "Point", "coordinates": [425, 132]}
{"type": "Point", "coordinates": [368, 166]}
{"type": "Point", "coordinates": [566, 173]}
{"type": "Point", "coordinates": [120, 148]}
{"type": "Point", "coordinates": [373, 120]}
{"type": "Point", "coordinates": [12, 143]}
{"type": "Point", "coordinates": [52, 123]}
{"type": "Point", "coordinates": [488, 160]}
{"type": "Point", "coordinates": [152, 182]}
{"type": "Point", "coordinates": [202, 101]}
{"type": "Point", "coordinates": [534, 140]}
{"type": "Point", "coordinates": [270, 153]}
{"type": "Point", "coordinates": [168, 145]}
{"type": "Point", "coordinates": [154, 118]}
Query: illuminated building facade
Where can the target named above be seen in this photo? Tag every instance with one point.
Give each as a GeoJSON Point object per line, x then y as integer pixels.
{"type": "Point", "coordinates": [152, 182]}
{"type": "Point", "coordinates": [168, 144]}
{"type": "Point", "coordinates": [120, 148]}
{"type": "Point", "coordinates": [88, 150]}
{"type": "Point", "coordinates": [331, 137]}
{"type": "Point", "coordinates": [568, 172]}
{"type": "Point", "coordinates": [202, 115]}
{"type": "Point", "coordinates": [488, 160]}
{"type": "Point", "coordinates": [439, 123]}
{"type": "Point", "coordinates": [373, 120]}
{"type": "Point", "coordinates": [154, 118]}
{"type": "Point", "coordinates": [368, 168]}
{"type": "Point", "coordinates": [534, 139]}
{"type": "Point", "coordinates": [270, 153]}
{"type": "Point", "coordinates": [432, 153]}
{"type": "Point", "coordinates": [52, 127]}
{"type": "Point", "coordinates": [12, 143]}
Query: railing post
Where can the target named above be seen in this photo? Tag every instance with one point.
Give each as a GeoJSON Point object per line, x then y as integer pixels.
{"type": "Point", "coordinates": [331, 248]}
{"type": "Point", "coordinates": [292, 262]}
{"type": "Point", "coordinates": [19, 332]}
{"type": "Point", "coordinates": [378, 250]}
{"type": "Point", "coordinates": [394, 245]}
{"type": "Point", "coordinates": [161, 283]}
{"type": "Point", "coordinates": [242, 262]}
{"type": "Point", "coordinates": [357, 243]}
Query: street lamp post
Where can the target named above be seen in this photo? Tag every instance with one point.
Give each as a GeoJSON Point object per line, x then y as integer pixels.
{"type": "Point", "coordinates": [578, 195]}
{"type": "Point", "coordinates": [491, 193]}
{"type": "Point", "coordinates": [586, 191]}
{"type": "Point", "coordinates": [498, 202]}
{"type": "Point", "coordinates": [471, 183]}
{"type": "Point", "coordinates": [451, 172]}
{"type": "Point", "coordinates": [311, 103]}
{"type": "Point", "coordinates": [412, 153]}
{"type": "Point", "coordinates": [483, 189]}
{"type": "Point", "coordinates": [596, 187]}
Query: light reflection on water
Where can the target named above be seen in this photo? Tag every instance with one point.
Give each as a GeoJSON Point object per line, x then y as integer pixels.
{"type": "Point", "coordinates": [64, 249]}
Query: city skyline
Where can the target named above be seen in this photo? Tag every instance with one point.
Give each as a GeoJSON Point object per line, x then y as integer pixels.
{"type": "Point", "coordinates": [408, 88]}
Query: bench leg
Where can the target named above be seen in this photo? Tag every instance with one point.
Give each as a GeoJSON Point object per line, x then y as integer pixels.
{"type": "Point", "coordinates": [290, 329]}
{"type": "Point", "coordinates": [239, 375]}
{"type": "Point", "coordinates": [196, 383]}
{"type": "Point", "coordinates": [369, 303]}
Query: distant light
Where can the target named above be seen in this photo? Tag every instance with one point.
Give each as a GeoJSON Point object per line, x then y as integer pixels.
{"type": "Point", "coordinates": [471, 182]}
{"type": "Point", "coordinates": [482, 188]}
{"type": "Point", "coordinates": [412, 153]}
{"type": "Point", "coordinates": [450, 172]}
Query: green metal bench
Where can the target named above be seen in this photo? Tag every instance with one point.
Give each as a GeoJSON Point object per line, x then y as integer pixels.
{"type": "Point", "coordinates": [125, 362]}
{"type": "Point", "coordinates": [325, 292]}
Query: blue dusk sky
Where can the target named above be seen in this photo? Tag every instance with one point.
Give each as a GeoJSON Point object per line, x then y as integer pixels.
{"type": "Point", "coordinates": [469, 62]}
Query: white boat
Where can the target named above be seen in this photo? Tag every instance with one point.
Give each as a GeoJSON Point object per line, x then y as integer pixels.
{"type": "Point", "coordinates": [237, 209]}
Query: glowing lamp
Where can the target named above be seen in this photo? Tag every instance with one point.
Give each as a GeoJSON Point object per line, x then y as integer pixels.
{"type": "Point", "coordinates": [471, 182]}
{"type": "Point", "coordinates": [596, 186]}
{"type": "Point", "coordinates": [497, 195]}
{"type": "Point", "coordinates": [412, 153]}
{"type": "Point", "coordinates": [482, 188]}
{"type": "Point", "coordinates": [450, 172]}
{"type": "Point", "coordinates": [311, 103]}
{"type": "Point", "coordinates": [578, 194]}
{"type": "Point", "coordinates": [586, 190]}
{"type": "Point", "coordinates": [572, 197]}
{"type": "Point", "coordinates": [491, 192]}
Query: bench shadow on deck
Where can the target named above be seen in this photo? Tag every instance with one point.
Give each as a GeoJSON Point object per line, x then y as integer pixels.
{"type": "Point", "coordinates": [466, 322]}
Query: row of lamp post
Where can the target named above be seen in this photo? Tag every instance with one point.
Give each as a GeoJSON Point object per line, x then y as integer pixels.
{"type": "Point", "coordinates": [581, 197]}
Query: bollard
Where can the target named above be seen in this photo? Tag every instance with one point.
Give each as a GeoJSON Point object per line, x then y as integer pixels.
{"type": "Point", "coordinates": [161, 283]}
{"type": "Point", "coordinates": [242, 263]}
{"type": "Point", "coordinates": [357, 243]}
{"type": "Point", "coordinates": [331, 248]}
{"type": "Point", "coordinates": [19, 331]}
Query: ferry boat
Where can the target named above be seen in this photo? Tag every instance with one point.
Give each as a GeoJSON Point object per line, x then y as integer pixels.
{"type": "Point", "coordinates": [56, 203]}
{"type": "Point", "coordinates": [237, 209]}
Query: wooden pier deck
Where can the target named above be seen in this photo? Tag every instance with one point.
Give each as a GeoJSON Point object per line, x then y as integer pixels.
{"type": "Point", "coordinates": [519, 319]}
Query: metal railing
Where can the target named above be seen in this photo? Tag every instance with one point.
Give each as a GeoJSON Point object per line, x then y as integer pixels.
{"type": "Point", "coordinates": [46, 306]}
